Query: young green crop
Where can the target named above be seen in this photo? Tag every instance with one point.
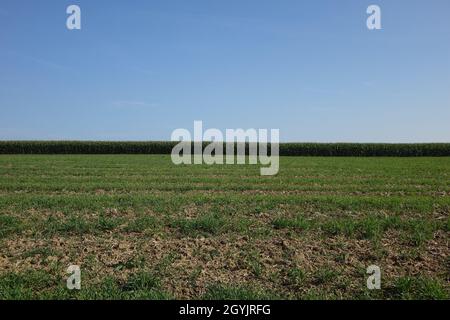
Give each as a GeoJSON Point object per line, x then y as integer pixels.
{"type": "Point", "coordinates": [143, 228]}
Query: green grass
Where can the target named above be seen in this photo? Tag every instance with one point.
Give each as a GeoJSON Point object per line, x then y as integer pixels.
{"type": "Point", "coordinates": [226, 292]}
{"type": "Point", "coordinates": [143, 228]}
{"type": "Point", "coordinates": [143, 224]}
{"type": "Point", "coordinates": [25, 285]}
{"type": "Point", "coordinates": [298, 223]}
{"type": "Point", "coordinates": [208, 224]}
{"type": "Point", "coordinates": [39, 285]}
{"type": "Point", "coordinates": [410, 288]}
{"type": "Point", "coordinates": [296, 276]}
{"type": "Point", "coordinates": [325, 276]}
{"type": "Point", "coordinates": [9, 225]}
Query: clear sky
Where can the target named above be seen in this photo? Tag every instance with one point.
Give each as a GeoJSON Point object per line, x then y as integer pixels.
{"type": "Point", "coordinates": [137, 70]}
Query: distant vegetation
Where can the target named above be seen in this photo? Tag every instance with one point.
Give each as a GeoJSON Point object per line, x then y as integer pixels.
{"type": "Point", "coordinates": [286, 149]}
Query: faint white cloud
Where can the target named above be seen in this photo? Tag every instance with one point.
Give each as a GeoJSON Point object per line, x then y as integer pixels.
{"type": "Point", "coordinates": [50, 64]}
{"type": "Point", "coordinates": [369, 84]}
{"type": "Point", "coordinates": [321, 91]}
{"type": "Point", "coordinates": [142, 71]}
{"type": "Point", "coordinates": [133, 104]}
{"type": "Point", "coordinates": [40, 61]}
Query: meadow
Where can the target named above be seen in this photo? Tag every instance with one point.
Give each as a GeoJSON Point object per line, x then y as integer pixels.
{"type": "Point", "coordinates": [142, 228]}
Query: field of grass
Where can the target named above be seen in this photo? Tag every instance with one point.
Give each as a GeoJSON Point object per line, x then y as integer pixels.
{"type": "Point", "coordinates": [142, 228]}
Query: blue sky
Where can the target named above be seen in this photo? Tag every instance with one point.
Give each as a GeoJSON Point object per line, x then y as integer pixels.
{"type": "Point", "coordinates": [137, 70]}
